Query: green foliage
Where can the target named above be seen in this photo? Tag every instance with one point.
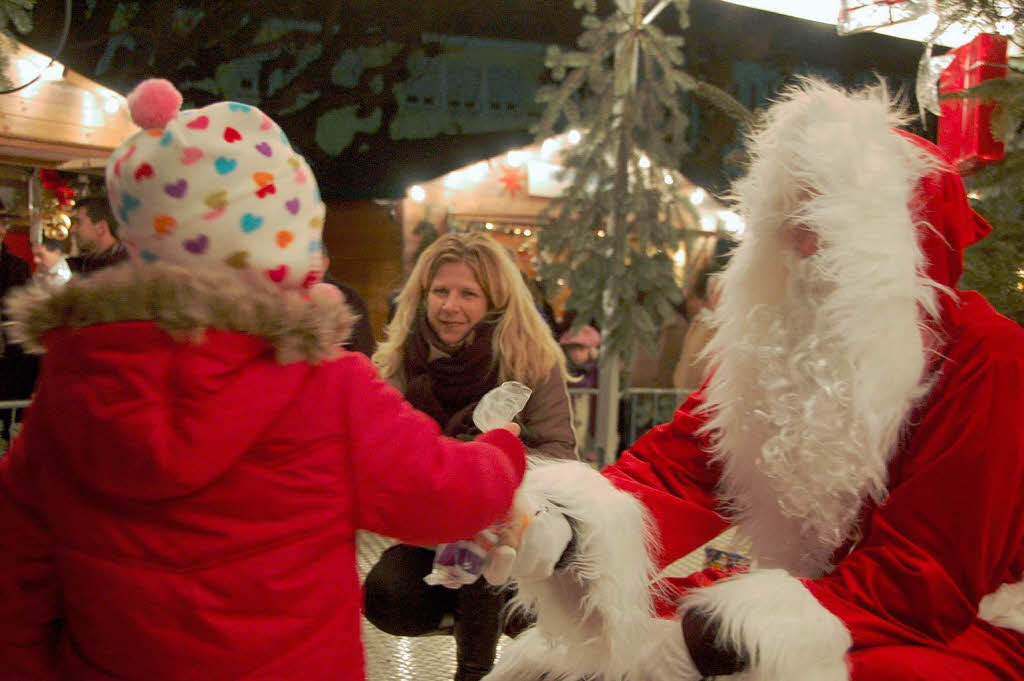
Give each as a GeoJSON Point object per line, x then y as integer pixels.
{"type": "Point", "coordinates": [613, 229]}
{"type": "Point", "coordinates": [17, 13]}
{"type": "Point", "coordinates": [995, 266]}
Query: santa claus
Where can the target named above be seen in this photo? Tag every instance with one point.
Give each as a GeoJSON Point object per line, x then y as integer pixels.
{"type": "Point", "coordinates": [863, 428]}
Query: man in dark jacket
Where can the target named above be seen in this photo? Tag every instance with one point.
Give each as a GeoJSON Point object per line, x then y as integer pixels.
{"type": "Point", "coordinates": [95, 228]}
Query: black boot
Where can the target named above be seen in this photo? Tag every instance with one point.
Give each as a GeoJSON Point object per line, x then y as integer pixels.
{"type": "Point", "coordinates": [478, 622]}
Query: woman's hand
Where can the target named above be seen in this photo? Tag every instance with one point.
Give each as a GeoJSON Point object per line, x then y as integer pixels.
{"type": "Point", "coordinates": [513, 428]}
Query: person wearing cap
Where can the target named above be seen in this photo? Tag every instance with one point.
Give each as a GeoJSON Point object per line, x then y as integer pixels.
{"type": "Point", "coordinates": [860, 427]}
{"type": "Point", "coordinates": [183, 497]}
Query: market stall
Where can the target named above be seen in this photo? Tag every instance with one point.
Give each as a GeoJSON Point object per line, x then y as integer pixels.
{"type": "Point", "coordinates": [510, 196]}
{"type": "Point", "coordinates": [56, 120]}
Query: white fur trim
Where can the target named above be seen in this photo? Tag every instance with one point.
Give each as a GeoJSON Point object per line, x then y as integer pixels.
{"type": "Point", "coordinates": [1005, 607]}
{"type": "Point", "coordinates": [185, 303]}
{"type": "Point", "coordinates": [594, 616]}
{"type": "Point", "coordinates": [770, 616]}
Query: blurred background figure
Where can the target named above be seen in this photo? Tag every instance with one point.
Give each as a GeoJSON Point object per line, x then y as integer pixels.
{"type": "Point", "coordinates": [362, 339]}
{"type": "Point", "coordinates": [464, 323]}
{"type": "Point", "coordinates": [655, 369]}
{"type": "Point", "coordinates": [582, 349]}
{"type": "Point", "coordinates": [52, 269]}
{"type": "Point", "coordinates": [16, 376]}
{"type": "Point", "coordinates": [692, 366]}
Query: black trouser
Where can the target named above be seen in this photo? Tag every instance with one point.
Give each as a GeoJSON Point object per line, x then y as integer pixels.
{"type": "Point", "coordinates": [400, 603]}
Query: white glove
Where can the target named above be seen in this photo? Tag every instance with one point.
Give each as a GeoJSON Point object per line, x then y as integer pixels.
{"type": "Point", "coordinates": [531, 547]}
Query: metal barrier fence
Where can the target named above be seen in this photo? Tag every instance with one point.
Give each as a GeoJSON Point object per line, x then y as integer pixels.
{"type": "Point", "coordinates": [640, 409]}
{"type": "Point", "coordinates": [10, 420]}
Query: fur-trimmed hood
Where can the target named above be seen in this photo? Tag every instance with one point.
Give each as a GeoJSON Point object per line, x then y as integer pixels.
{"type": "Point", "coordinates": [184, 303]}
{"type": "Point", "coordinates": [157, 380]}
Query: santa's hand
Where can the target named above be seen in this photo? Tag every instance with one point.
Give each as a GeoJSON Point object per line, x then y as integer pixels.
{"type": "Point", "coordinates": [532, 545]}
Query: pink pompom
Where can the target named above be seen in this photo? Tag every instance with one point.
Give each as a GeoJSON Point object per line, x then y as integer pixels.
{"type": "Point", "coordinates": [153, 103]}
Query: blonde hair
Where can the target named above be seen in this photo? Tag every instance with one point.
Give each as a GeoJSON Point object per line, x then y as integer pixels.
{"type": "Point", "coordinates": [523, 345]}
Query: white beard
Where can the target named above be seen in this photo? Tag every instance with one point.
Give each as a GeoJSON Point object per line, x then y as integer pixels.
{"type": "Point", "coordinates": [800, 421]}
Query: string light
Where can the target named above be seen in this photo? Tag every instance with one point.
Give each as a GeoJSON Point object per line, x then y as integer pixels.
{"type": "Point", "coordinates": [644, 162]}
{"type": "Point", "coordinates": [574, 136]}
{"type": "Point", "coordinates": [417, 193]}
{"type": "Point", "coordinates": [489, 226]}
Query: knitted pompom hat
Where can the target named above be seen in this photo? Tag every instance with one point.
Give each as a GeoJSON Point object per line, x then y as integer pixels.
{"type": "Point", "coordinates": [215, 187]}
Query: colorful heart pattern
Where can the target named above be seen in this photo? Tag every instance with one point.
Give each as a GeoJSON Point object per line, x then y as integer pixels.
{"type": "Point", "coordinates": [219, 185]}
{"type": "Point", "coordinates": [198, 245]}
{"type": "Point", "coordinates": [177, 189]}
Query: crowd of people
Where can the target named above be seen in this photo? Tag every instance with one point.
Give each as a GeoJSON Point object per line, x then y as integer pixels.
{"type": "Point", "coordinates": [210, 427]}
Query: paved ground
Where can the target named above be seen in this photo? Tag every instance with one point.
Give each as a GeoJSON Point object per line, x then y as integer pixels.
{"type": "Point", "coordinates": [432, 658]}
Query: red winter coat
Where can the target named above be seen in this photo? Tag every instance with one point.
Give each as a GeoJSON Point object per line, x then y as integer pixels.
{"type": "Point", "coordinates": [947, 539]}
{"type": "Point", "coordinates": [178, 510]}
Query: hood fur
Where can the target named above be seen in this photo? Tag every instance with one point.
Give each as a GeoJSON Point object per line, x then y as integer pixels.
{"type": "Point", "coordinates": [185, 303]}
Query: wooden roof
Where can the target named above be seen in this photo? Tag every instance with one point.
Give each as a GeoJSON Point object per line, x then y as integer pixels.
{"type": "Point", "coordinates": [63, 120]}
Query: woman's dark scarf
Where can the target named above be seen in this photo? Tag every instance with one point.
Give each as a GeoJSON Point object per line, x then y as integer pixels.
{"type": "Point", "coordinates": [448, 388]}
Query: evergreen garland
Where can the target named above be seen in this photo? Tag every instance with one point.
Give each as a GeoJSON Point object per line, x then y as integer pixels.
{"type": "Point", "coordinates": [612, 231]}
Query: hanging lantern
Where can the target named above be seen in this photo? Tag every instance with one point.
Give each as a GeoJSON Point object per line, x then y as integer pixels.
{"type": "Point", "coordinates": [858, 16]}
{"type": "Point", "coordinates": [965, 127]}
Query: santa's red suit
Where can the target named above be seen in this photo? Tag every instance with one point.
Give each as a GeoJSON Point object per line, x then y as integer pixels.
{"type": "Point", "coordinates": [862, 428]}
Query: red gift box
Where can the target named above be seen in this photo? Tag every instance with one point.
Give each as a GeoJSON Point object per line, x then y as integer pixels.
{"type": "Point", "coordinates": [965, 131]}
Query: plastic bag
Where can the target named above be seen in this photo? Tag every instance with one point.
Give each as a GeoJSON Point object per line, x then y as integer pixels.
{"type": "Point", "coordinates": [457, 564]}
{"type": "Point", "coordinates": [500, 405]}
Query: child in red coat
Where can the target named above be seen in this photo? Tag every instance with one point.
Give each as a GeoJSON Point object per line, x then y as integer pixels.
{"type": "Point", "coordinates": [183, 498]}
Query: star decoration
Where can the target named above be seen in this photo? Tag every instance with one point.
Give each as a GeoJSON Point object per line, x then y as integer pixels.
{"type": "Point", "coordinates": [512, 181]}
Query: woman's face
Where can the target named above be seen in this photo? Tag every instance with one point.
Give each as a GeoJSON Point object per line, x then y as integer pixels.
{"type": "Point", "coordinates": [455, 302]}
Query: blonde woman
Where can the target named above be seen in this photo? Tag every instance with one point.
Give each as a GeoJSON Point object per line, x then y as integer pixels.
{"type": "Point", "coordinates": [464, 323]}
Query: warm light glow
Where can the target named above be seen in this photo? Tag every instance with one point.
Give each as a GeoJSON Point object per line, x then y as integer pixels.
{"type": "Point", "coordinates": [697, 196]}
{"type": "Point", "coordinates": [489, 225]}
{"type": "Point", "coordinates": [708, 222]}
{"type": "Point", "coordinates": [668, 178]}
{"type": "Point", "coordinates": [517, 158]}
{"type": "Point", "coordinates": [454, 180]}
{"type": "Point", "coordinates": [644, 162]}
{"type": "Point", "coordinates": [574, 136]}
{"type": "Point", "coordinates": [680, 258]}
{"type": "Point", "coordinates": [478, 171]}
{"type": "Point", "coordinates": [54, 71]}
{"type": "Point", "coordinates": [548, 148]}
{"type": "Point", "coordinates": [600, 233]}
{"type": "Point", "coordinates": [732, 222]}
{"type": "Point", "coordinates": [417, 193]}
{"type": "Point", "coordinates": [827, 12]}
{"type": "Point", "coordinates": [517, 231]}
{"type": "Point", "coordinates": [527, 232]}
